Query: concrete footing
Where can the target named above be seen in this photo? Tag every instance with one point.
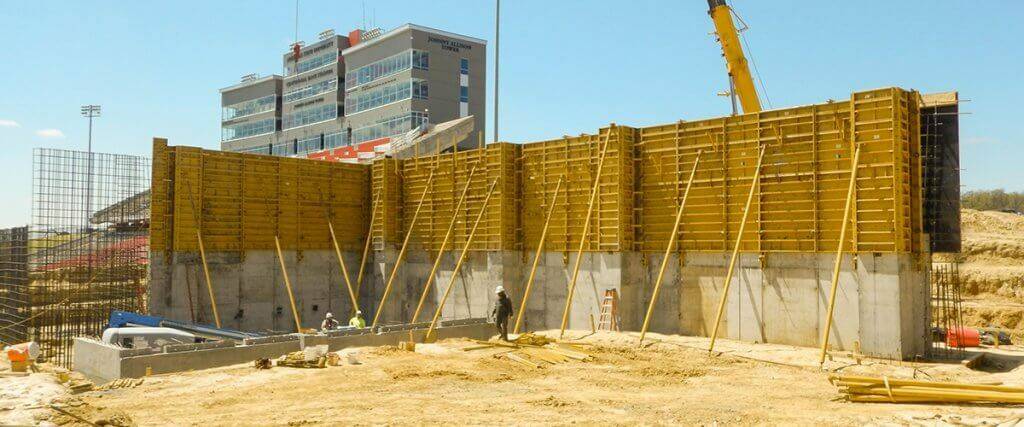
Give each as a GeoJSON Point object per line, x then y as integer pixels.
{"type": "Point", "coordinates": [102, 362]}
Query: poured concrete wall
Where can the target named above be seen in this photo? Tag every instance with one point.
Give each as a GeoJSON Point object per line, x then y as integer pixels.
{"type": "Point", "coordinates": [250, 289]}
{"type": "Point", "coordinates": [882, 303]}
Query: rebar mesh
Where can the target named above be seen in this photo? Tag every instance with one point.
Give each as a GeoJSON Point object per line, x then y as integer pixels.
{"type": "Point", "coordinates": [14, 302]}
{"type": "Point", "coordinates": [88, 244]}
{"type": "Point", "coordinates": [947, 309]}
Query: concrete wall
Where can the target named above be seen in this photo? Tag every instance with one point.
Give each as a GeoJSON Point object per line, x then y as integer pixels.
{"type": "Point", "coordinates": [882, 301]}
{"type": "Point", "coordinates": [250, 289]}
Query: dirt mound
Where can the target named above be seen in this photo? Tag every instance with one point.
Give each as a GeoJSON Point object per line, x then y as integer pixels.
{"type": "Point", "coordinates": [990, 221]}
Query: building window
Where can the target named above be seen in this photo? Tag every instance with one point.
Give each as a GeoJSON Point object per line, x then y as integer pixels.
{"type": "Point", "coordinates": [286, 148]}
{"type": "Point", "coordinates": [463, 94]}
{"type": "Point", "coordinates": [419, 89]}
{"type": "Point", "coordinates": [464, 66]}
{"type": "Point", "coordinates": [311, 90]}
{"type": "Point", "coordinates": [245, 130]}
{"type": "Point", "coordinates": [334, 140]}
{"type": "Point", "coordinates": [310, 144]}
{"type": "Point", "coordinates": [386, 67]}
{"type": "Point", "coordinates": [310, 115]}
{"type": "Point", "coordinates": [259, 149]}
{"type": "Point", "coordinates": [248, 108]}
{"type": "Point", "coordinates": [383, 95]}
{"type": "Point", "coordinates": [420, 60]}
{"type": "Point", "coordinates": [316, 62]}
{"type": "Point", "coordinates": [389, 127]}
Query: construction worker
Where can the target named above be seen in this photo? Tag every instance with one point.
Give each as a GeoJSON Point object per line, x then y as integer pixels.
{"type": "Point", "coordinates": [502, 312]}
{"type": "Point", "coordinates": [357, 320]}
{"type": "Point", "coordinates": [329, 323]}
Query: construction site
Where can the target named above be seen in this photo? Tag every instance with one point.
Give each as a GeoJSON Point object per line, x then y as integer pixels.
{"type": "Point", "coordinates": [799, 265]}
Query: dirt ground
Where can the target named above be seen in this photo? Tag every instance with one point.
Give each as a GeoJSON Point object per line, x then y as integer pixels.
{"type": "Point", "coordinates": [992, 270]}
{"type": "Point", "coordinates": [672, 381]}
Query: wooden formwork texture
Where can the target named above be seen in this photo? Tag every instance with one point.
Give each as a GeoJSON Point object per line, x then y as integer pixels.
{"type": "Point", "coordinates": [241, 201]}
{"type": "Point", "coordinates": [499, 225]}
{"type": "Point", "coordinates": [574, 160]}
{"type": "Point", "coordinates": [802, 188]}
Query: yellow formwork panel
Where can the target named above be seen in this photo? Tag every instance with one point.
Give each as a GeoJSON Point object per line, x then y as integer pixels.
{"type": "Point", "coordinates": [242, 201]}
{"type": "Point", "coordinates": [498, 227]}
{"type": "Point", "coordinates": [575, 161]}
{"type": "Point", "coordinates": [802, 188]}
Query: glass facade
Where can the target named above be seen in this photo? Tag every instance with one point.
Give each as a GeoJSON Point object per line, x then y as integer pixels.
{"type": "Point", "coordinates": [389, 127]}
{"type": "Point", "coordinates": [310, 144]}
{"type": "Point", "coordinates": [259, 149]}
{"type": "Point", "coordinates": [463, 94]}
{"type": "Point", "coordinates": [316, 62]}
{"type": "Point", "coordinates": [283, 149]}
{"type": "Point", "coordinates": [334, 140]}
{"type": "Point", "coordinates": [464, 66]}
{"type": "Point", "coordinates": [311, 90]}
{"type": "Point", "coordinates": [385, 95]}
{"type": "Point", "coordinates": [245, 130]}
{"type": "Point", "coordinates": [310, 115]}
{"type": "Point", "coordinates": [248, 108]}
{"type": "Point", "coordinates": [386, 67]}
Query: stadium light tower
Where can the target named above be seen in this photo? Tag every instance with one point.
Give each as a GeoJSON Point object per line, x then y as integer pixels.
{"type": "Point", "coordinates": [89, 111]}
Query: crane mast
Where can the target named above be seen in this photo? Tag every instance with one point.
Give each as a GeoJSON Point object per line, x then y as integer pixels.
{"type": "Point", "coordinates": [736, 63]}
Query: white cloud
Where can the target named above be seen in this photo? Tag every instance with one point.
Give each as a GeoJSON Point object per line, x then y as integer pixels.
{"type": "Point", "coordinates": [50, 133]}
{"type": "Point", "coordinates": [8, 123]}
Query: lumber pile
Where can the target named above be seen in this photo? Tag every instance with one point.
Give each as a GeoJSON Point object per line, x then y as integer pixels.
{"type": "Point", "coordinates": [310, 357]}
{"type": "Point", "coordinates": [892, 390]}
{"type": "Point", "coordinates": [536, 351]}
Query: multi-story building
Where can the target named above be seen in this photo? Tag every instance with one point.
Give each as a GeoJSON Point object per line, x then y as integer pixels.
{"type": "Point", "coordinates": [251, 114]}
{"type": "Point", "coordinates": [359, 91]}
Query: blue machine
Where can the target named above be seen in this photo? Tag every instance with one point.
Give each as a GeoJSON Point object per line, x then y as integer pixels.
{"type": "Point", "coordinates": [121, 319]}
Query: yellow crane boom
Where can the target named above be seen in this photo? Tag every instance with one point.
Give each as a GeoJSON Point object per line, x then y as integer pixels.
{"type": "Point", "coordinates": [735, 61]}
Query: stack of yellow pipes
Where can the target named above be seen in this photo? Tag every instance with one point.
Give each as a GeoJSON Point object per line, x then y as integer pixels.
{"type": "Point", "coordinates": [892, 390]}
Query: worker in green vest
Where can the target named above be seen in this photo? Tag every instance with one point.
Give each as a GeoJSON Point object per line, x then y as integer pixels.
{"type": "Point", "coordinates": [357, 320]}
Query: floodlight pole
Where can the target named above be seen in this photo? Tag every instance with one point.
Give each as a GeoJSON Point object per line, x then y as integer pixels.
{"type": "Point", "coordinates": [89, 111]}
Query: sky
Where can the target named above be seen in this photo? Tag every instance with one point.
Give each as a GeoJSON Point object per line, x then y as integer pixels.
{"type": "Point", "coordinates": [567, 67]}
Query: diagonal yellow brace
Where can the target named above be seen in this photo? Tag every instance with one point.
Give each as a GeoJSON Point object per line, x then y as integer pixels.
{"type": "Point", "coordinates": [839, 255]}
{"type": "Point", "coordinates": [668, 250]}
{"type": "Point", "coordinates": [736, 250]}
{"type": "Point", "coordinates": [536, 258]}
{"type": "Point", "coordinates": [401, 253]}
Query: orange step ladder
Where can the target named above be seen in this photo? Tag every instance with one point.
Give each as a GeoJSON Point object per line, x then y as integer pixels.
{"type": "Point", "coordinates": [609, 318]}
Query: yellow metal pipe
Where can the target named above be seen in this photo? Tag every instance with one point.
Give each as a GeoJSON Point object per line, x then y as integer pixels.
{"type": "Point", "coordinates": [583, 237]}
{"type": "Point", "coordinates": [668, 249]}
{"type": "Point", "coordinates": [536, 258]}
{"type": "Point", "coordinates": [401, 253]}
{"type": "Point", "coordinates": [732, 50]}
{"type": "Point", "coordinates": [288, 285]}
{"type": "Point", "coordinates": [736, 249]}
{"type": "Point", "coordinates": [458, 264]}
{"type": "Point", "coordinates": [344, 270]}
{"type": "Point", "coordinates": [839, 256]}
{"type": "Point", "coordinates": [897, 382]}
{"type": "Point", "coordinates": [366, 246]}
{"type": "Point", "coordinates": [209, 283]}
{"type": "Point", "coordinates": [444, 244]}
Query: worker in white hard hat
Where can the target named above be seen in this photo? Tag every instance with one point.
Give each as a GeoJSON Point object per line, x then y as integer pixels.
{"type": "Point", "coordinates": [357, 320]}
{"type": "Point", "coordinates": [502, 312]}
{"type": "Point", "coordinates": [329, 323]}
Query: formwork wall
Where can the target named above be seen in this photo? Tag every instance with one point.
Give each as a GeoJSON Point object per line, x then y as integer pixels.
{"type": "Point", "coordinates": [802, 188]}
{"type": "Point", "coordinates": [241, 202]}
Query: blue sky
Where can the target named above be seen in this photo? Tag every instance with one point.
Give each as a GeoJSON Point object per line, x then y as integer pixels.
{"type": "Point", "coordinates": [567, 66]}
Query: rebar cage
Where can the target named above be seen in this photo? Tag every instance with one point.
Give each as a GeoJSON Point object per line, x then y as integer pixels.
{"type": "Point", "coordinates": [88, 244]}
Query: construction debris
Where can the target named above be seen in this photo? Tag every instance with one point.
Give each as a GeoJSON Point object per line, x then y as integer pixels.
{"type": "Point", "coordinates": [310, 357]}
{"type": "Point", "coordinates": [535, 351]}
{"type": "Point", "coordinates": [121, 383]}
{"type": "Point", "coordinates": [891, 390]}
